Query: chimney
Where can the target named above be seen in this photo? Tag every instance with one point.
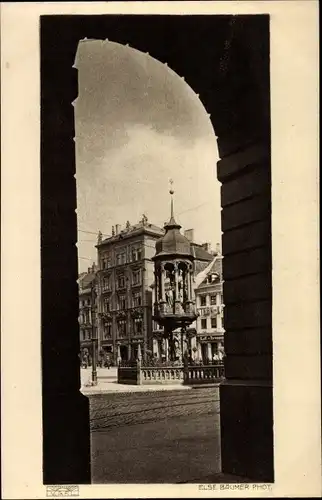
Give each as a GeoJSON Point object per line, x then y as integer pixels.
{"type": "Point", "coordinates": [206, 246]}
{"type": "Point", "coordinates": [189, 234]}
{"type": "Point", "coordinates": [218, 252]}
{"type": "Point", "coordinates": [117, 229]}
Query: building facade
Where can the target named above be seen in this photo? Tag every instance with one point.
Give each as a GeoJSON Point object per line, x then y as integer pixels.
{"type": "Point", "coordinates": [210, 308]}
{"type": "Point", "coordinates": [124, 297]}
{"type": "Point", "coordinates": [86, 283]}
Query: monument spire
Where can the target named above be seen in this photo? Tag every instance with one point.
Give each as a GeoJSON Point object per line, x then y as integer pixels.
{"type": "Point", "coordinates": [171, 191]}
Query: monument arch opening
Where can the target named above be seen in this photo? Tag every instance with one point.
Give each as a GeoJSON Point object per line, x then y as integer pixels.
{"type": "Point", "coordinates": [229, 68]}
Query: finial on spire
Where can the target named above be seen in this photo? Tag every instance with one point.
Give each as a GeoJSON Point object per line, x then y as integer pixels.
{"type": "Point", "coordinates": [171, 188]}
{"type": "Point", "coordinates": [171, 191]}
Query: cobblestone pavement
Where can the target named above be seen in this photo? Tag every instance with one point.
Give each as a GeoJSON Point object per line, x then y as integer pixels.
{"type": "Point", "coordinates": [155, 437]}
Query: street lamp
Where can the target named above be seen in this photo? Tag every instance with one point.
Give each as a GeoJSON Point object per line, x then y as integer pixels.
{"type": "Point", "coordinates": [94, 336]}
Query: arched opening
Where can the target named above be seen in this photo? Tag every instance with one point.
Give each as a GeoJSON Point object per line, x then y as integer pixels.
{"type": "Point", "coordinates": [137, 125]}
{"type": "Point", "coordinates": [232, 78]}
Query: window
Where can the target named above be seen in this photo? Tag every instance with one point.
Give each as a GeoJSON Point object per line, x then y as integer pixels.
{"type": "Point", "coordinates": [121, 258]}
{"type": "Point", "coordinates": [136, 254]}
{"type": "Point", "coordinates": [106, 263]}
{"type": "Point", "coordinates": [137, 299]}
{"type": "Point", "coordinates": [213, 300]}
{"type": "Point", "coordinates": [106, 283]}
{"type": "Point", "coordinates": [106, 305]}
{"type": "Point", "coordinates": [204, 323]}
{"type": "Point", "coordinates": [203, 300]}
{"type": "Point", "coordinates": [137, 326]}
{"type": "Point", "coordinates": [213, 322]}
{"type": "Point", "coordinates": [121, 281]}
{"type": "Point", "coordinates": [213, 277]}
{"type": "Point", "coordinates": [136, 277]}
{"type": "Point", "coordinates": [108, 330]}
{"type": "Point", "coordinates": [88, 334]}
{"type": "Point", "coordinates": [122, 302]}
{"type": "Point", "coordinates": [121, 328]}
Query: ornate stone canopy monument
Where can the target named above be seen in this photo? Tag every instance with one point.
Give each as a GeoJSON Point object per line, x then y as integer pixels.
{"type": "Point", "coordinates": [174, 305]}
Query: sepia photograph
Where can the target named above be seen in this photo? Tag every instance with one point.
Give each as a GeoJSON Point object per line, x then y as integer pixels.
{"type": "Point", "coordinates": [160, 312]}
{"type": "Point", "coordinates": [165, 218]}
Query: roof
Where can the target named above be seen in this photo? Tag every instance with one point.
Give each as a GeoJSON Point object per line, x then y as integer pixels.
{"type": "Point", "coordinates": [140, 228]}
{"type": "Point", "coordinates": [200, 253]}
{"type": "Point", "coordinates": [173, 242]}
{"type": "Point", "coordinates": [214, 268]}
{"type": "Point", "coordinates": [199, 266]}
{"type": "Point", "coordinates": [86, 281]}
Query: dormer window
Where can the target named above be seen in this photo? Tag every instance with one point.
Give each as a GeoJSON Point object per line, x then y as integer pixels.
{"type": "Point", "coordinates": [213, 277]}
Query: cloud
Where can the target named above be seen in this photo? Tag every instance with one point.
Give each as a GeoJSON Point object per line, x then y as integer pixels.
{"type": "Point", "coordinates": [137, 125]}
{"type": "Point", "coordinates": [135, 179]}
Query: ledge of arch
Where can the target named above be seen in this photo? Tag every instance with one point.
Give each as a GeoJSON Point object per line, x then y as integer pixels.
{"type": "Point", "coordinates": [255, 154]}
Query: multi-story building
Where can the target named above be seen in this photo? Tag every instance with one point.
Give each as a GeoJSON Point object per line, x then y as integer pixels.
{"type": "Point", "coordinates": [86, 283]}
{"type": "Point", "coordinates": [209, 324]}
{"type": "Point", "coordinates": [124, 300]}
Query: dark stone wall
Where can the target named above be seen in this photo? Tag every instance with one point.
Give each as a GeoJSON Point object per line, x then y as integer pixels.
{"type": "Point", "coordinates": [246, 398]}
{"type": "Point", "coordinates": [225, 60]}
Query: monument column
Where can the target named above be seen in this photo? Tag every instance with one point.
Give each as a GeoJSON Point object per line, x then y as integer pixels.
{"type": "Point", "coordinates": [162, 280]}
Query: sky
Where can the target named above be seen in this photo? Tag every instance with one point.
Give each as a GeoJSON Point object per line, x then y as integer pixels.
{"type": "Point", "coordinates": [138, 125]}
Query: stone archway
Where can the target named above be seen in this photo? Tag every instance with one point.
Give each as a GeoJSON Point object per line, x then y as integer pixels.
{"type": "Point", "coordinates": [225, 60]}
